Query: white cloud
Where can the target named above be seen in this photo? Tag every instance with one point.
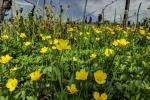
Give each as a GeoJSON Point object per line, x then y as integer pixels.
{"type": "Point", "coordinates": [23, 3]}
{"type": "Point", "coordinates": [119, 5]}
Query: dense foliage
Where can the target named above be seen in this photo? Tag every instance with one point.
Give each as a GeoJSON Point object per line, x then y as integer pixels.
{"type": "Point", "coordinates": [74, 62]}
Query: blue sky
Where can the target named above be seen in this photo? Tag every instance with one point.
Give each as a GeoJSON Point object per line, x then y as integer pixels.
{"type": "Point", "coordinates": [94, 8]}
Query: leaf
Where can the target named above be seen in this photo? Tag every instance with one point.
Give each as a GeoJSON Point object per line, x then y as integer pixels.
{"type": "Point", "coordinates": [119, 86]}
{"type": "Point", "coordinates": [3, 98]}
{"type": "Point", "coordinates": [138, 96]}
{"type": "Point", "coordinates": [17, 95]}
{"type": "Point", "coordinates": [31, 98]}
{"type": "Point", "coordinates": [23, 95]}
{"type": "Point", "coordinates": [47, 70]}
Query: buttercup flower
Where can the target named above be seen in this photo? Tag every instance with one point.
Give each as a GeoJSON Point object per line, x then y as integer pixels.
{"type": "Point", "coordinates": [45, 37]}
{"type": "Point", "coordinates": [112, 32]}
{"type": "Point", "coordinates": [98, 96]}
{"type": "Point", "coordinates": [12, 84]}
{"type": "Point", "coordinates": [123, 42]}
{"type": "Point", "coordinates": [22, 35]}
{"type": "Point", "coordinates": [5, 37]}
{"type": "Point", "coordinates": [96, 30]}
{"type": "Point", "coordinates": [44, 50]}
{"type": "Point", "coordinates": [27, 43]}
{"type": "Point", "coordinates": [120, 42]}
{"type": "Point", "coordinates": [93, 56]}
{"type": "Point", "coordinates": [70, 30]}
{"type": "Point", "coordinates": [115, 43]}
{"type": "Point", "coordinates": [36, 75]}
{"type": "Point", "coordinates": [72, 89]}
{"type": "Point", "coordinates": [81, 75]}
{"type": "Point", "coordinates": [100, 77]}
{"type": "Point", "coordinates": [108, 52]}
{"type": "Point", "coordinates": [63, 45]}
{"type": "Point", "coordinates": [5, 59]}
{"type": "Point", "coordinates": [56, 41]}
{"type": "Point", "coordinates": [142, 32]}
{"type": "Point", "coordinates": [13, 69]}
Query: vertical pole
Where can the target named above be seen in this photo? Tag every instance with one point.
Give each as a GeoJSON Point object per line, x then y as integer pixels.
{"type": "Point", "coordinates": [126, 11]}
{"type": "Point", "coordinates": [84, 13]}
{"type": "Point", "coordinates": [137, 20]}
{"type": "Point", "coordinates": [103, 15]}
{"type": "Point", "coordinates": [115, 16]}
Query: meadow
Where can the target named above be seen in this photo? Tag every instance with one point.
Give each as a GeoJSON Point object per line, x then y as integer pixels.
{"type": "Point", "coordinates": [46, 58]}
{"type": "Point", "coordinates": [39, 61]}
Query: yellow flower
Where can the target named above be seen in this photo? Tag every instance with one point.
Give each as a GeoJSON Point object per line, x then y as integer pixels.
{"type": "Point", "coordinates": [5, 59]}
{"type": "Point", "coordinates": [36, 75]}
{"type": "Point", "coordinates": [27, 43]}
{"type": "Point", "coordinates": [112, 32]}
{"type": "Point", "coordinates": [48, 37]}
{"type": "Point", "coordinates": [96, 30]}
{"type": "Point", "coordinates": [97, 96]}
{"type": "Point", "coordinates": [93, 56]}
{"type": "Point", "coordinates": [63, 45]}
{"type": "Point", "coordinates": [108, 52]}
{"type": "Point", "coordinates": [115, 43]}
{"type": "Point", "coordinates": [142, 32]}
{"type": "Point", "coordinates": [22, 35]}
{"type": "Point", "coordinates": [103, 96]}
{"type": "Point", "coordinates": [100, 77]}
{"type": "Point", "coordinates": [72, 89]}
{"type": "Point", "coordinates": [12, 84]}
{"type": "Point", "coordinates": [70, 30]}
{"type": "Point", "coordinates": [5, 37]}
{"type": "Point", "coordinates": [81, 75]}
{"type": "Point", "coordinates": [44, 50]}
{"type": "Point", "coordinates": [44, 37]}
{"type": "Point", "coordinates": [13, 69]}
{"type": "Point", "coordinates": [120, 42]}
{"type": "Point", "coordinates": [56, 41]}
{"type": "Point", "coordinates": [123, 42]}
